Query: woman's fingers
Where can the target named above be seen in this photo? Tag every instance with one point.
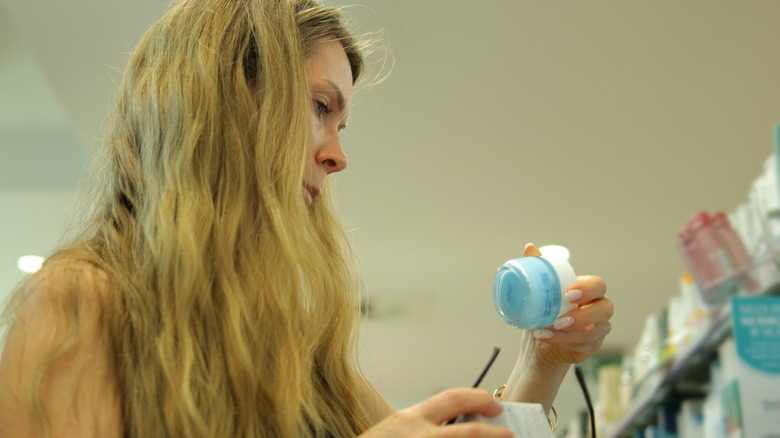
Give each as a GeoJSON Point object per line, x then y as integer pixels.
{"type": "Point", "coordinates": [587, 288]}
{"type": "Point", "coordinates": [454, 402]}
{"type": "Point", "coordinates": [583, 324]}
{"type": "Point", "coordinates": [583, 335]}
{"type": "Point", "coordinates": [592, 313]}
{"type": "Point", "coordinates": [564, 347]}
{"type": "Point", "coordinates": [574, 335]}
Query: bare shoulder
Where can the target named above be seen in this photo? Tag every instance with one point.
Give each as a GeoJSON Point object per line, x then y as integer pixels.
{"type": "Point", "coordinates": [66, 295]}
{"type": "Point", "coordinates": [55, 368]}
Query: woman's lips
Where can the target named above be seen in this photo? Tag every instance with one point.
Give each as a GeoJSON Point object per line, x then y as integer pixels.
{"type": "Point", "coordinates": [310, 192]}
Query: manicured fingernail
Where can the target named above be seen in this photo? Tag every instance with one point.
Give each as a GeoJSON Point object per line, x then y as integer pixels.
{"type": "Point", "coordinates": [543, 334]}
{"type": "Point", "coordinates": [562, 323]}
{"type": "Point", "coordinates": [573, 295]}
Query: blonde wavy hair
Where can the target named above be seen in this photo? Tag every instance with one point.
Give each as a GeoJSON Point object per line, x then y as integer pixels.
{"type": "Point", "coordinates": [230, 307]}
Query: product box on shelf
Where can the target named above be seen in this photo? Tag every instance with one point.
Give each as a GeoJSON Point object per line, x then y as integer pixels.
{"type": "Point", "coordinates": [756, 362]}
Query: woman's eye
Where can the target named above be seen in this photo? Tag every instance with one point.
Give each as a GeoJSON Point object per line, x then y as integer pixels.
{"type": "Point", "coordinates": [321, 108]}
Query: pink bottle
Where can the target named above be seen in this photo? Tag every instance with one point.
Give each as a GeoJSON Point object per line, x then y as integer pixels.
{"type": "Point", "coordinates": [730, 240]}
{"type": "Point", "coordinates": [735, 248]}
{"type": "Point", "coordinates": [714, 263]}
{"type": "Point", "coordinates": [692, 255]}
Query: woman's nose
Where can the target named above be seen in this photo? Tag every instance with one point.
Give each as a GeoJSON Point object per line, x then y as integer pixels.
{"type": "Point", "coordinates": [331, 155]}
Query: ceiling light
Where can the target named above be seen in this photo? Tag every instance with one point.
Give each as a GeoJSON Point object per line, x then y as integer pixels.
{"type": "Point", "coordinates": [29, 263]}
{"type": "Point", "coordinates": [555, 251]}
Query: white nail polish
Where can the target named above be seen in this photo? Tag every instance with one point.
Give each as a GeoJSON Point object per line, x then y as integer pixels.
{"type": "Point", "coordinates": [573, 295]}
{"type": "Point", "coordinates": [543, 334]}
{"type": "Point", "coordinates": [562, 323]}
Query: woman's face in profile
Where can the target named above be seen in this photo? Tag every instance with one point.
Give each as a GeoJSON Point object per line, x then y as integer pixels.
{"type": "Point", "coordinates": [329, 76]}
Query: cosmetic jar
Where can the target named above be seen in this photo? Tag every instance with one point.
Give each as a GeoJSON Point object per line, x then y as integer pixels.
{"type": "Point", "coordinates": [528, 291]}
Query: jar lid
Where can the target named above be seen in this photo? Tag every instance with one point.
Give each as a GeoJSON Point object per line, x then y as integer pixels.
{"type": "Point", "coordinates": [527, 292]}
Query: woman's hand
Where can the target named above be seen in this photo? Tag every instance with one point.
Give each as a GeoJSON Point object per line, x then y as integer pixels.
{"type": "Point", "coordinates": [426, 418]}
{"type": "Point", "coordinates": [580, 333]}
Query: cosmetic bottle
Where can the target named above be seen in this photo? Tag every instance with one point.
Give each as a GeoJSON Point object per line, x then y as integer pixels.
{"type": "Point", "coordinates": [735, 248]}
{"type": "Point", "coordinates": [528, 291]}
{"type": "Point", "coordinates": [693, 256]}
{"type": "Point", "coordinates": [715, 263]}
{"type": "Point", "coordinates": [737, 252]}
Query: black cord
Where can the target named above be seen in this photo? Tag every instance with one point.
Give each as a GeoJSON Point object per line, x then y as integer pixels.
{"type": "Point", "coordinates": [487, 367]}
{"type": "Point", "coordinates": [584, 387]}
{"type": "Point", "coordinates": [482, 374]}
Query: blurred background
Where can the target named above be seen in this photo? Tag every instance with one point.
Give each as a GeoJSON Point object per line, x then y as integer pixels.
{"type": "Point", "coordinates": [602, 126]}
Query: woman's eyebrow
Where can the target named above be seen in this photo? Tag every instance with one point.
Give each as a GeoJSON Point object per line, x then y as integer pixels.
{"type": "Point", "coordinates": [340, 101]}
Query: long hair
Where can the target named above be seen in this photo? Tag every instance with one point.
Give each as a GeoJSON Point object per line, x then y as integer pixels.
{"type": "Point", "coordinates": [231, 307]}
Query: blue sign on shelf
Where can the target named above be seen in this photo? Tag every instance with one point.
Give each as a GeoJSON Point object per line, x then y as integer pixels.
{"type": "Point", "coordinates": [757, 332]}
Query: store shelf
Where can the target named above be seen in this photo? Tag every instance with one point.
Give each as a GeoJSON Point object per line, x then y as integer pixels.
{"type": "Point", "coordinates": [680, 377]}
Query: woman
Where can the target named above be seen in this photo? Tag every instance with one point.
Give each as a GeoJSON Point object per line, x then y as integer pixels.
{"type": "Point", "coordinates": [210, 290]}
